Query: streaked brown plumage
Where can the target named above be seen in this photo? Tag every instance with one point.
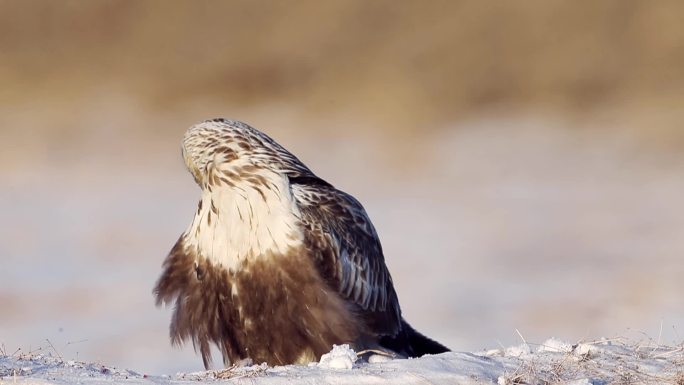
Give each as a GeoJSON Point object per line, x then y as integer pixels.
{"type": "Point", "coordinates": [277, 265]}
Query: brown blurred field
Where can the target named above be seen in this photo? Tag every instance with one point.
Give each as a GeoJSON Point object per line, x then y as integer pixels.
{"type": "Point", "coordinates": [522, 161]}
{"type": "Point", "coordinates": [400, 66]}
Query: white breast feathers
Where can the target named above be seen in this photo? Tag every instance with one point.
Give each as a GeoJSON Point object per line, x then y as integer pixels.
{"type": "Point", "coordinates": [244, 217]}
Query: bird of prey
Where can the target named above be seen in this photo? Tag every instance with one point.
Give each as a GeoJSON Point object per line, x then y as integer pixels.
{"type": "Point", "coordinates": [277, 265]}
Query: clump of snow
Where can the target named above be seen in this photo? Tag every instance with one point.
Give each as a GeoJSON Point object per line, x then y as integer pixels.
{"type": "Point", "coordinates": [518, 351]}
{"type": "Point", "coordinates": [340, 357]}
{"type": "Point", "coordinates": [554, 345]}
{"type": "Point", "coordinates": [49, 368]}
{"type": "Point", "coordinates": [586, 349]}
{"type": "Point", "coordinates": [583, 381]}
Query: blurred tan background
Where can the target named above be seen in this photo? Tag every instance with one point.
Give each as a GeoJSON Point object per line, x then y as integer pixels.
{"type": "Point", "coordinates": [522, 161]}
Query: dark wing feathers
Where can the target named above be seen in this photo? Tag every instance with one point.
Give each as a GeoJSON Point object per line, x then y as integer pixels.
{"type": "Point", "coordinates": [347, 251]}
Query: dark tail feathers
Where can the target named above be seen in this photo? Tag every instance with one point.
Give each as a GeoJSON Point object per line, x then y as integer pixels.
{"type": "Point", "coordinates": [410, 343]}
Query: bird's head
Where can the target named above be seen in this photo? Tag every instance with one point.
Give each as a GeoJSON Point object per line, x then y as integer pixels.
{"type": "Point", "coordinates": [229, 144]}
{"type": "Point", "coordinates": [215, 142]}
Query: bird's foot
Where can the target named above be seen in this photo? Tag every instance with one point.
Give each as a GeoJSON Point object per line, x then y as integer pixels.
{"type": "Point", "coordinates": [377, 355]}
{"type": "Point", "coordinates": [239, 369]}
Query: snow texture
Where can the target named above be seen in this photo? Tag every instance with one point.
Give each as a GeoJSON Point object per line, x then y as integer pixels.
{"type": "Point", "coordinates": [553, 362]}
{"type": "Point", "coordinates": [340, 357]}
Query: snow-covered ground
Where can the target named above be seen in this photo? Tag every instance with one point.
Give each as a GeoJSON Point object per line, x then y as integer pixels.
{"type": "Point", "coordinates": [553, 362]}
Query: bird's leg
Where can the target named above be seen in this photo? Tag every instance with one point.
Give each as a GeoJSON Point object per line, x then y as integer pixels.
{"type": "Point", "coordinates": [243, 363]}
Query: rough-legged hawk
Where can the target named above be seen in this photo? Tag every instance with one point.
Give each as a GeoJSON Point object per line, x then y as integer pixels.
{"type": "Point", "coordinates": [278, 265]}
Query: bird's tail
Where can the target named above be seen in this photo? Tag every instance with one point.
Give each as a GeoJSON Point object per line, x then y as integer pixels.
{"type": "Point", "coordinates": [421, 344]}
{"type": "Point", "coordinates": [411, 343]}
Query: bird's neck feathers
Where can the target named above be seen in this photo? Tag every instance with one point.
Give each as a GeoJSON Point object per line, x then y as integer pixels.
{"type": "Point", "coordinates": [244, 216]}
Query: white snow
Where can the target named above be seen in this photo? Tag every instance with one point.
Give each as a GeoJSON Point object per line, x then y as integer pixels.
{"type": "Point", "coordinates": [553, 362]}
{"type": "Point", "coordinates": [340, 357]}
{"type": "Point", "coordinates": [518, 351]}
{"type": "Point", "coordinates": [377, 358]}
{"type": "Point", "coordinates": [555, 345]}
